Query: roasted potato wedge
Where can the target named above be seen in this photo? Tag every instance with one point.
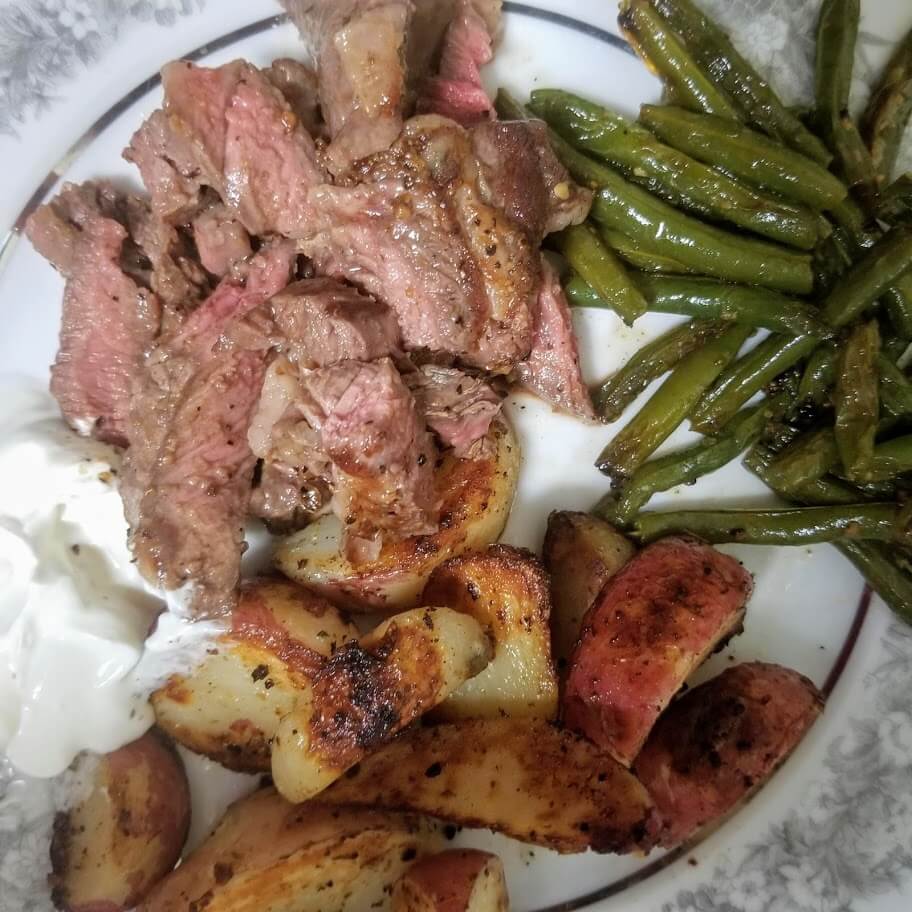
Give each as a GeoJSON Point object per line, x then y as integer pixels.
{"type": "Point", "coordinates": [581, 553]}
{"type": "Point", "coordinates": [229, 707]}
{"type": "Point", "coordinates": [370, 690]}
{"type": "Point", "coordinates": [461, 880]}
{"type": "Point", "coordinates": [655, 621]}
{"type": "Point", "coordinates": [506, 590]}
{"type": "Point", "coordinates": [526, 778]}
{"type": "Point", "coordinates": [476, 496]}
{"type": "Point", "coordinates": [720, 742]}
{"type": "Point", "coordinates": [267, 855]}
{"type": "Point", "coordinates": [118, 842]}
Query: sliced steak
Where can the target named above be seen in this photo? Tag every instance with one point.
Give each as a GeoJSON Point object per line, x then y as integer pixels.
{"type": "Point", "coordinates": [109, 321]}
{"type": "Point", "coordinates": [230, 129]}
{"type": "Point", "coordinates": [323, 321]}
{"type": "Point", "coordinates": [552, 370]}
{"type": "Point", "coordinates": [382, 455]}
{"type": "Point", "coordinates": [187, 477]}
{"type": "Point", "coordinates": [360, 49]}
{"type": "Point", "coordinates": [720, 742]}
{"type": "Point", "coordinates": [411, 228]}
{"type": "Point", "coordinates": [298, 83]}
{"type": "Point", "coordinates": [457, 407]}
{"type": "Point", "coordinates": [457, 91]}
{"type": "Point", "coordinates": [522, 176]}
{"type": "Point", "coordinates": [221, 240]}
{"type": "Point", "coordinates": [653, 624]}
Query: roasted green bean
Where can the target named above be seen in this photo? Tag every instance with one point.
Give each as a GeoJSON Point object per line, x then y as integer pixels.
{"type": "Point", "coordinates": [643, 257]}
{"type": "Point", "coordinates": [745, 154]}
{"type": "Point", "coordinates": [673, 175]}
{"type": "Point", "coordinates": [878, 565]}
{"type": "Point", "coordinates": [856, 398]}
{"type": "Point", "coordinates": [805, 460]}
{"type": "Point", "coordinates": [649, 363]}
{"type": "Point", "coordinates": [819, 376]}
{"type": "Point", "coordinates": [662, 51]}
{"type": "Point", "coordinates": [601, 269]}
{"type": "Point", "coordinates": [895, 388]}
{"type": "Point", "coordinates": [748, 376]}
{"type": "Point", "coordinates": [686, 466]}
{"type": "Point", "coordinates": [714, 52]}
{"type": "Point", "coordinates": [861, 287]}
{"type": "Point", "coordinates": [898, 303]}
{"type": "Point", "coordinates": [889, 110]}
{"type": "Point", "coordinates": [894, 204]}
{"type": "Point", "coordinates": [799, 526]}
{"type": "Point", "coordinates": [890, 459]}
{"type": "Point", "coordinates": [670, 405]}
{"type": "Point", "coordinates": [837, 35]}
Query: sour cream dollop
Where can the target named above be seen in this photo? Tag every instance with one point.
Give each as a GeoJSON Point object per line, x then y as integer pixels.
{"type": "Point", "coordinates": [77, 661]}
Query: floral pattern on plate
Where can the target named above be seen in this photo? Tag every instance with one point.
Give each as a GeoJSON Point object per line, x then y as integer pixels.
{"type": "Point", "coordinates": [45, 42]}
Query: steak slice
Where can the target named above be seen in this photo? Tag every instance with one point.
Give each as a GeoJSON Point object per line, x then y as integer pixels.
{"type": "Point", "coordinates": [298, 83]}
{"type": "Point", "coordinates": [230, 129]}
{"type": "Point", "coordinates": [456, 91]}
{"type": "Point", "coordinates": [382, 455]}
{"type": "Point", "coordinates": [720, 742]}
{"type": "Point", "coordinates": [360, 49]}
{"type": "Point", "coordinates": [653, 624]}
{"type": "Point", "coordinates": [411, 228]}
{"type": "Point", "coordinates": [552, 370]}
{"type": "Point", "coordinates": [522, 176]}
{"type": "Point", "coordinates": [187, 477]}
{"type": "Point", "coordinates": [221, 240]}
{"type": "Point", "coordinates": [457, 407]}
{"type": "Point", "coordinates": [109, 321]}
{"type": "Point", "coordinates": [323, 322]}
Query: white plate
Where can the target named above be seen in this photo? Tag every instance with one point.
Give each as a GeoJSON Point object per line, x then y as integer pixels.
{"type": "Point", "coordinates": [833, 829]}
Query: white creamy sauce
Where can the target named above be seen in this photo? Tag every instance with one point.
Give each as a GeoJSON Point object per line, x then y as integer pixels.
{"type": "Point", "coordinates": [76, 667]}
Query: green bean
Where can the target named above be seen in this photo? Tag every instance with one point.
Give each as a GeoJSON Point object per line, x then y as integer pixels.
{"type": "Point", "coordinates": [602, 270]}
{"type": "Point", "coordinates": [796, 526]}
{"type": "Point", "coordinates": [880, 267]}
{"type": "Point", "coordinates": [853, 221]}
{"type": "Point", "coordinates": [831, 260]}
{"type": "Point", "coordinates": [805, 460]}
{"type": "Point", "coordinates": [890, 459]}
{"type": "Point", "coordinates": [898, 302]}
{"type": "Point", "coordinates": [622, 206]}
{"type": "Point", "coordinates": [745, 154]}
{"type": "Point", "coordinates": [649, 363]}
{"type": "Point", "coordinates": [673, 175]}
{"type": "Point", "coordinates": [641, 256]}
{"type": "Point", "coordinates": [856, 398]}
{"type": "Point", "coordinates": [748, 376]}
{"type": "Point", "coordinates": [837, 35]}
{"type": "Point", "coordinates": [855, 162]}
{"type": "Point", "coordinates": [819, 376]}
{"type": "Point", "coordinates": [878, 565]}
{"type": "Point", "coordinates": [895, 388]}
{"type": "Point", "coordinates": [662, 51]}
{"type": "Point", "coordinates": [894, 204]}
{"type": "Point", "coordinates": [759, 104]}
{"type": "Point", "coordinates": [712, 300]}
{"type": "Point", "coordinates": [889, 110]}
{"type": "Point", "coordinates": [707, 299]}
{"type": "Point", "coordinates": [670, 405]}
{"type": "Point", "coordinates": [686, 466]}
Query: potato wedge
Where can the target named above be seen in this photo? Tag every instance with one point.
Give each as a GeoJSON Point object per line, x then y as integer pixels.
{"type": "Point", "coordinates": [116, 844]}
{"type": "Point", "coordinates": [370, 690]}
{"type": "Point", "coordinates": [461, 880]}
{"type": "Point", "coordinates": [655, 621]}
{"type": "Point", "coordinates": [476, 496]}
{"type": "Point", "coordinates": [526, 778]}
{"type": "Point", "coordinates": [506, 590]}
{"type": "Point", "coordinates": [721, 741]}
{"type": "Point", "coordinates": [267, 855]}
{"type": "Point", "coordinates": [581, 553]}
{"type": "Point", "coordinates": [229, 707]}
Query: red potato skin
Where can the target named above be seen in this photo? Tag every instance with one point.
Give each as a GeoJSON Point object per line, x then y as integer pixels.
{"type": "Point", "coordinates": [156, 827]}
{"type": "Point", "coordinates": [445, 882]}
{"type": "Point", "coordinates": [721, 741]}
{"type": "Point", "coordinates": [651, 625]}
